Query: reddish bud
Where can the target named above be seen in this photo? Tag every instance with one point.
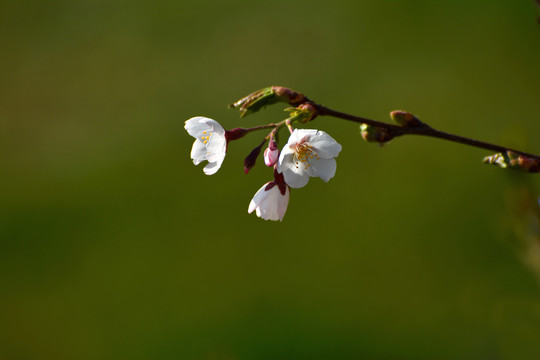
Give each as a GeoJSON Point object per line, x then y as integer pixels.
{"type": "Point", "coordinates": [405, 118]}
{"type": "Point", "coordinates": [289, 96]}
{"type": "Point", "coordinates": [375, 134]}
{"type": "Point", "coordinates": [251, 159]}
{"type": "Point", "coordinates": [528, 164]}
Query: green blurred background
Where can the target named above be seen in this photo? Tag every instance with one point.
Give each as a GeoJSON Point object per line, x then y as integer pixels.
{"type": "Point", "coordinates": [115, 246]}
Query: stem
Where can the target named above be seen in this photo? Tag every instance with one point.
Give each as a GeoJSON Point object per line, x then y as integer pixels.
{"type": "Point", "coordinates": [323, 110]}
{"type": "Point", "coordinates": [276, 127]}
{"type": "Point", "coordinates": [262, 127]}
{"type": "Point", "coordinates": [423, 130]}
{"type": "Point", "coordinates": [289, 125]}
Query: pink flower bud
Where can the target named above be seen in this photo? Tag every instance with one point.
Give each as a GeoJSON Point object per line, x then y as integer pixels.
{"type": "Point", "coordinates": [271, 154]}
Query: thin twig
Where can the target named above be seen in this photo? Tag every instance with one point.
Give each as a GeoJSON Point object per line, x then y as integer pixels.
{"type": "Point", "coordinates": [423, 130]}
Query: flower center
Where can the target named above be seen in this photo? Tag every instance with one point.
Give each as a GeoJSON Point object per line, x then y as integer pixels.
{"type": "Point", "coordinates": [304, 152]}
{"type": "Point", "coordinates": [207, 137]}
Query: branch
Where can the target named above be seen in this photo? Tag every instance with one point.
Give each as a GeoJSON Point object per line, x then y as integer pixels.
{"type": "Point", "coordinates": [422, 129]}
{"type": "Point", "coordinates": [376, 131]}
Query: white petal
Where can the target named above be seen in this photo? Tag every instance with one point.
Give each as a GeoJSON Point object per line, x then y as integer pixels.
{"type": "Point", "coordinates": [215, 126]}
{"type": "Point", "coordinates": [295, 179]}
{"type": "Point", "coordinates": [212, 167]}
{"type": "Point", "coordinates": [301, 135]}
{"type": "Point", "coordinates": [257, 199]}
{"type": "Point", "coordinates": [294, 139]}
{"type": "Point", "coordinates": [216, 148]}
{"type": "Point", "coordinates": [285, 161]}
{"type": "Point", "coordinates": [297, 174]}
{"type": "Point", "coordinates": [198, 152]}
{"type": "Point", "coordinates": [309, 169]}
{"type": "Point", "coordinates": [323, 168]}
{"type": "Point", "coordinates": [287, 150]}
{"type": "Point", "coordinates": [269, 204]}
{"type": "Point", "coordinates": [268, 209]}
{"type": "Point", "coordinates": [283, 202]}
{"type": "Point", "coordinates": [197, 125]}
{"type": "Point", "coordinates": [324, 145]}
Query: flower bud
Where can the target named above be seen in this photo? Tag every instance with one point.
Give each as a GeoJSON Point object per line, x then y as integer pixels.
{"type": "Point", "coordinates": [289, 96]}
{"type": "Point", "coordinates": [497, 159]}
{"type": "Point", "coordinates": [527, 164]}
{"type": "Point", "coordinates": [405, 118]}
{"type": "Point", "coordinates": [303, 113]}
{"type": "Point", "coordinates": [514, 160]}
{"type": "Point", "coordinates": [249, 161]}
{"type": "Point", "coordinates": [271, 153]}
{"type": "Point", "coordinates": [375, 134]}
{"type": "Point", "coordinates": [267, 96]}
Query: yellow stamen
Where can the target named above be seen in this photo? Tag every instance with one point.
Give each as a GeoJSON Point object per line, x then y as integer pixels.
{"type": "Point", "coordinates": [304, 152]}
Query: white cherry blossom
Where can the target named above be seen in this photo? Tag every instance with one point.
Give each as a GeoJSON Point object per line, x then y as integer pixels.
{"type": "Point", "coordinates": [272, 199]}
{"type": "Point", "coordinates": [210, 142]}
{"type": "Point", "coordinates": [270, 204]}
{"type": "Point", "coordinates": [308, 153]}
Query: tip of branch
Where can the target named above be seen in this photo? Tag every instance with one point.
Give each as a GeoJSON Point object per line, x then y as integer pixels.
{"type": "Point", "coordinates": [512, 160]}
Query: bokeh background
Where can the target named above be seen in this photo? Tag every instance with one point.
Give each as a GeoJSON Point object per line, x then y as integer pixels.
{"type": "Point", "coordinates": [115, 246]}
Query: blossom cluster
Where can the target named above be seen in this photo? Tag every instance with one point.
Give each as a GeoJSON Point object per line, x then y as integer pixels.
{"type": "Point", "coordinates": [312, 153]}
{"type": "Point", "coordinates": [307, 153]}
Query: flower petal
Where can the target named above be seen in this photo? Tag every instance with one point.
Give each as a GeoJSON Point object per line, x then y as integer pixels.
{"type": "Point", "coordinates": [282, 155]}
{"type": "Point", "coordinates": [198, 152]}
{"type": "Point", "coordinates": [324, 145]}
{"type": "Point", "coordinates": [197, 125]}
{"type": "Point", "coordinates": [269, 204]}
{"type": "Point", "coordinates": [257, 198]}
{"type": "Point", "coordinates": [295, 179]}
{"type": "Point", "coordinates": [323, 168]}
{"type": "Point", "coordinates": [215, 126]}
{"type": "Point", "coordinates": [283, 202]}
{"type": "Point", "coordinates": [212, 167]}
{"type": "Point", "coordinates": [294, 139]}
{"type": "Point", "coordinates": [216, 148]}
{"type": "Point", "coordinates": [268, 208]}
{"type": "Point", "coordinates": [288, 149]}
{"type": "Point", "coordinates": [301, 135]}
{"type": "Point", "coordinates": [294, 176]}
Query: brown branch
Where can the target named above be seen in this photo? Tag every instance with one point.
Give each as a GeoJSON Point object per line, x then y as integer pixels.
{"type": "Point", "coordinates": [376, 131]}
{"type": "Point", "coordinates": [423, 129]}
